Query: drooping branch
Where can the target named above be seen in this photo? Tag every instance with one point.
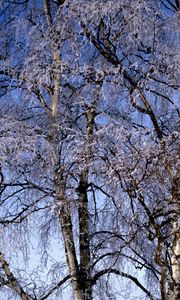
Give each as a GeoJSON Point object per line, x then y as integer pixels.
{"type": "Point", "coordinates": [125, 275]}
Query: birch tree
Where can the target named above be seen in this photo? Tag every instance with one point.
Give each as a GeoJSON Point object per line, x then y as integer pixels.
{"type": "Point", "coordinates": [89, 147]}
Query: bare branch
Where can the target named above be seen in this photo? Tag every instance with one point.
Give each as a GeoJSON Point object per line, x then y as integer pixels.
{"type": "Point", "coordinates": [125, 275]}
{"type": "Point", "coordinates": [57, 286]}
{"type": "Point", "coordinates": [12, 281]}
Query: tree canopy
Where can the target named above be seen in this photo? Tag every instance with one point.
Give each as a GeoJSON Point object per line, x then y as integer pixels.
{"type": "Point", "coordinates": [89, 149]}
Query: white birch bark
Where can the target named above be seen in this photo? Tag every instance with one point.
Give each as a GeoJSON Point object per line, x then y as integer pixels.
{"type": "Point", "coordinates": [174, 290]}
{"type": "Point", "coordinates": [64, 210]}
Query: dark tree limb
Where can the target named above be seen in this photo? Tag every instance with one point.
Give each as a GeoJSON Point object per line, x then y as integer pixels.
{"type": "Point", "coordinates": [113, 58]}
{"type": "Point", "coordinates": [47, 10]}
{"type": "Point", "coordinates": [125, 275]}
{"type": "Point", "coordinates": [59, 2]}
{"type": "Point", "coordinates": [53, 289]}
{"type": "Point", "coordinates": [12, 281]}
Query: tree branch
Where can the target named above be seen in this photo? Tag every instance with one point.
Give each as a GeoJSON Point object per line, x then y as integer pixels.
{"type": "Point", "coordinates": [47, 10]}
{"type": "Point", "coordinates": [12, 281]}
{"type": "Point", "coordinates": [125, 275]}
{"type": "Point", "coordinates": [112, 57]}
{"type": "Point", "coordinates": [58, 285]}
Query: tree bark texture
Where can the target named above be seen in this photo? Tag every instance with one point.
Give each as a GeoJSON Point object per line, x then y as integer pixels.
{"type": "Point", "coordinates": [174, 289]}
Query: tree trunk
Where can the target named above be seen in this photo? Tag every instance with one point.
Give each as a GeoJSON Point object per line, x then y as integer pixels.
{"type": "Point", "coordinates": [174, 289]}
{"type": "Point", "coordinates": [67, 232]}
{"type": "Point", "coordinates": [85, 270]}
